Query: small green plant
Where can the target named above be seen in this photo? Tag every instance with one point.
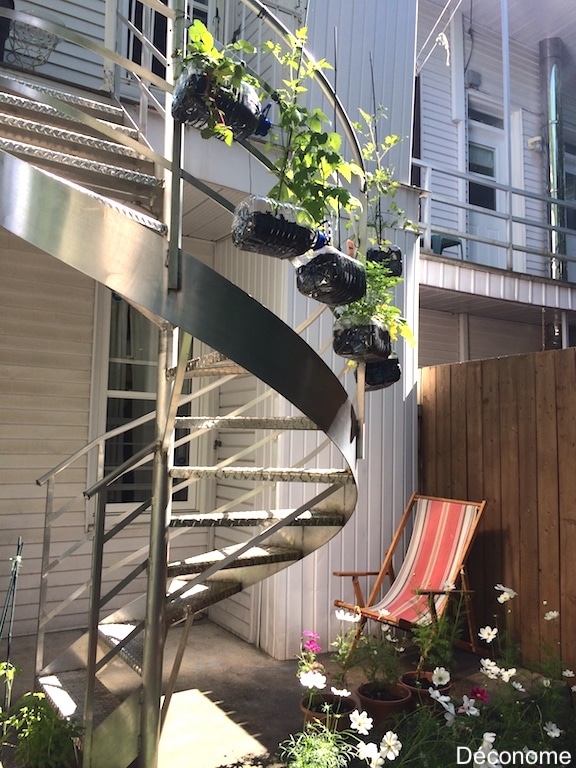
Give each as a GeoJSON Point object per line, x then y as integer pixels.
{"type": "Point", "coordinates": [435, 637]}
{"type": "Point", "coordinates": [222, 71]}
{"type": "Point", "coordinates": [39, 736]}
{"type": "Point", "coordinates": [309, 165]}
{"type": "Point", "coordinates": [378, 656]}
{"type": "Point", "coordinates": [318, 746]}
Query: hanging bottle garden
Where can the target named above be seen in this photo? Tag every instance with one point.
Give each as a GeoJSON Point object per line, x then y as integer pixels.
{"type": "Point", "coordinates": [381, 374]}
{"type": "Point", "coordinates": [331, 277]}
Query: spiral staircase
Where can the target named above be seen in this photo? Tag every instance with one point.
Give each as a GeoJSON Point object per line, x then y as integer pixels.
{"type": "Point", "coordinates": [80, 154]}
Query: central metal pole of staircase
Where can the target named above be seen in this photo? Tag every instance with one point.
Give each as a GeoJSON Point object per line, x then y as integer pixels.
{"type": "Point", "coordinates": [155, 626]}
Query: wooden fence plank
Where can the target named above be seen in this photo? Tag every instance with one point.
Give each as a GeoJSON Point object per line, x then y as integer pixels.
{"type": "Point", "coordinates": [443, 432]}
{"type": "Point", "coordinates": [548, 529]}
{"type": "Point", "coordinates": [565, 368]}
{"type": "Point", "coordinates": [527, 585]}
{"type": "Point", "coordinates": [427, 424]}
{"type": "Point", "coordinates": [458, 418]}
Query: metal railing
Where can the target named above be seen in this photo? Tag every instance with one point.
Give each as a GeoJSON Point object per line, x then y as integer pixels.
{"type": "Point", "coordinates": [523, 242]}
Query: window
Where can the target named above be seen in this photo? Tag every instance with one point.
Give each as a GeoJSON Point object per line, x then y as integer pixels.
{"type": "Point", "coordinates": [481, 160]}
{"type": "Point", "coordinates": [131, 393]}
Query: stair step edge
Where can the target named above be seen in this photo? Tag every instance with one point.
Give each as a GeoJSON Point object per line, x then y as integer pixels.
{"type": "Point", "coordinates": [266, 474]}
{"type": "Point", "coordinates": [254, 518]}
{"type": "Point", "coordinates": [245, 422]}
{"type": "Point", "coordinates": [65, 691]}
{"type": "Point", "coordinates": [255, 556]}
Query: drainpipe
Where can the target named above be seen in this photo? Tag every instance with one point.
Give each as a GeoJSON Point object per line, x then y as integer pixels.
{"type": "Point", "coordinates": [551, 51]}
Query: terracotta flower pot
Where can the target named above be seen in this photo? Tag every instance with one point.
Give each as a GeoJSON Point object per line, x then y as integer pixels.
{"type": "Point", "coordinates": [383, 703]}
{"type": "Point", "coordinates": [331, 710]}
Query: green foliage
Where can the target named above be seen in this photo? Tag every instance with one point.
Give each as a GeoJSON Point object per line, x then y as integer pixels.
{"type": "Point", "coordinates": [39, 736]}
{"type": "Point", "coordinates": [378, 656]}
{"type": "Point", "coordinates": [435, 639]}
{"type": "Point", "coordinates": [377, 304]}
{"type": "Point", "coordinates": [317, 746]}
{"type": "Point", "coordinates": [223, 71]}
{"type": "Point", "coordinates": [309, 167]}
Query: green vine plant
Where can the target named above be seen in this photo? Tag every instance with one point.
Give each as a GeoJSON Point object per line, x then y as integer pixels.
{"type": "Point", "coordinates": [309, 165]}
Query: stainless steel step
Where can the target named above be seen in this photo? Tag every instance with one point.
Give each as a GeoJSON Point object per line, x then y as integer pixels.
{"type": "Point", "coordinates": [55, 138]}
{"type": "Point", "coordinates": [65, 691]}
{"type": "Point", "coordinates": [245, 422]}
{"type": "Point", "coordinates": [113, 180]}
{"type": "Point", "coordinates": [253, 518]}
{"type": "Point", "coordinates": [201, 596]}
{"type": "Point", "coordinates": [263, 474]}
{"type": "Point", "coordinates": [255, 556]}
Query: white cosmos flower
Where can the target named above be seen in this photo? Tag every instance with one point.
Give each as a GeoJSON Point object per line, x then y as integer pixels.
{"type": "Point", "coordinates": [567, 673]}
{"type": "Point", "coordinates": [507, 593]}
{"type": "Point", "coordinates": [552, 730]}
{"type": "Point", "coordinates": [367, 751]}
{"type": "Point", "coordinates": [440, 676]}
{"type": "Point", "coordinates": [468, 707]}
{"type": "Point", "coordinates": [490, 669]}
{"type": "Point", "coordinates": [450, 714]}
{"type": "Point", "coordinates": [506, 674]}
{"type": "Point", "coordinates": [546, 682]}
{"type": "Point", "coordinates": [390, 745]}
{"type": "Point", "coordinates": [343, 615]}
{"type": "Point", "coordinates": [488, 633]}
{"type": "Point", "coordinates": [437, 696]}
{"type": "Point", "coordinates": [340, 691]}
{"type": "Point", "coordinates": [549, 615]}
{"type": "Point", "coordinates": [573, 688]}
{"type": "Point", "coordinates": [359, 721]}
{"type": "Point", "coordinates": [313, 679]}
{"type": "Point", "coordinates": [518, 686]}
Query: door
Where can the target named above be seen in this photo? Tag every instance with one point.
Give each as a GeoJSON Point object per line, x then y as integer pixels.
{"type": "Point", "coordinates": [486, 164]}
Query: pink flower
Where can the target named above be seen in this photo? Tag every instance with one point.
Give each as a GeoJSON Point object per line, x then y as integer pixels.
{"type": "Point", "coordinates": [312, 646]}
{"type": "Point", "coordinates": [481, 694]}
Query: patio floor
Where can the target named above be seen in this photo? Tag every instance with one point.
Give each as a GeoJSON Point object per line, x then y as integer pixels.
{"type": "Point", "coordinates": [233, 705]}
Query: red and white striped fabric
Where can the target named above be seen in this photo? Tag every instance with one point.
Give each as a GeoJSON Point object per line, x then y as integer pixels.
{"type": "Point", "coordinates": [439, 541]}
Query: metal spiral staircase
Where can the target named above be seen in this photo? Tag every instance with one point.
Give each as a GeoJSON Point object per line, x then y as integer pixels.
{"type": "Point", "coordinates": [104, 215]}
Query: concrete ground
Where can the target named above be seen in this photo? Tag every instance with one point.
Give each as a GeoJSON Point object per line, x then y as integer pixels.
{"type": "Point", "coordinates": [233, 704]}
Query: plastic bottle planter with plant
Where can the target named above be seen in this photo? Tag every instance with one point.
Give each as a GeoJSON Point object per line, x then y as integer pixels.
{"type": "Point", "coordinates": [311, 178]}
{"type": "Point", "coordinates": [381, 374]}
{"type": "Point", "coordinates": [215, 93]}
{"type": "Point", "coordinates": [363, 330]}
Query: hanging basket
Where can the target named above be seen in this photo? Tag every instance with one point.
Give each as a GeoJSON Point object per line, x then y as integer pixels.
{"type": "Point", "coordinates": [391, 256]}
{"type": "Point", "coordinates": [360, 342]}
{"type": "Point", "coordinates": [332, 278]}
{"type": "Point", "coordinates": [265, 226]}
{"type": "Point", "coordinates": [380, 374]}
{"type": "Point", "coordinates": [193, 95]}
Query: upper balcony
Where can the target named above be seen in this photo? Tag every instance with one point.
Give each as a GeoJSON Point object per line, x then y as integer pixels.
{"type": "Point", "coordinates": [496, 161]}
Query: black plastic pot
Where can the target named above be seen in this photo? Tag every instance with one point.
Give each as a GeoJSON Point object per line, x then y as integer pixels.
{"type": "Point", "coordinates": [331, 277]}
{"type": "Point", "coordinates": [380, 374]}
{"type": "Point", "coordinates": [391, 256]}
{"type": "Point", "coordinates": [265, 226]}
{"type": "Point", "coordinates": [192, 94]}
{"type": "Point", "coordinates": [361, 342]}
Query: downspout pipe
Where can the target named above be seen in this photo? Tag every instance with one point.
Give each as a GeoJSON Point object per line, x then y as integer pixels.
{"type": "Point", "coordinates": [551, 56]}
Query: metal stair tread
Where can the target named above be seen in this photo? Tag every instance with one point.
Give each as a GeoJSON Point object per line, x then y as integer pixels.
{"type": "Point", "coordinates": [262, 555]}
{"type": "Point", "coordinates": [80, 163]}
{"type": "Point", "coordinates": [65, 135]}
{"type": "Point", "coordinates": [266, 474]}
{"type": "Point", "coordinates": [27, 104]}
{"type": "Point", "coordinates": [200, 597]}
{"type": "Point", "coordinates": [245, 422]}
{"type": "Point", "coordinates": [65, 691]}
{"type": "Point", "coordinates": [253, 518]}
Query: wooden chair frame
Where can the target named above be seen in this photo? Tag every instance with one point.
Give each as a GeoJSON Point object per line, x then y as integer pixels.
{"type": "Point", "coordinates": [437, 594]}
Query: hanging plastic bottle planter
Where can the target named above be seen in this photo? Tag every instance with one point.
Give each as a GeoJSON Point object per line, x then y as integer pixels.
{"type": "Point", "coordinates": [195, 102]}
{"type": "Point", "coordinates": [359, 342]}
{"type": "Point", "coordinates": [331, 277]}
{"type": "Point", "coordinates": [266, 226]}
{"type": "Point", "coordinates": [390, 255]}
{"type": "Point", "coordinates": [381, 374]}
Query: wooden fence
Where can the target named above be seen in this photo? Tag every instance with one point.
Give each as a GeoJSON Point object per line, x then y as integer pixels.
{"type": "Point", "coordinates": [504, 430]}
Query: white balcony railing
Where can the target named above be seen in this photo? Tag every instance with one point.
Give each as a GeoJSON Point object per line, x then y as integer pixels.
{"type": "Point", "coordinates": [516, 236]}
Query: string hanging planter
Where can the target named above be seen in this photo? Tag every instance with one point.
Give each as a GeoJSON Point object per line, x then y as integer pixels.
{"type": "Point", "coordinates": [389, 255]}
{"type": "Point", "coordinates": [381, 374]}
{"type": "Point", "coordinates": [360, 341]}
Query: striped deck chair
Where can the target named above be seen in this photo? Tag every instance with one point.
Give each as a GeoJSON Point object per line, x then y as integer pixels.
{"type": "Point", "coordinates": [442, 534]}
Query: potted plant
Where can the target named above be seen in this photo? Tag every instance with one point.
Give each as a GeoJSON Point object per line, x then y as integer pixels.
{"type": "Point", "coordinates": [381, 695]}
{"type": "Point", "coordinates": [381, 374]}
{"type": "Point", "coordinates": [305, 157]}
{"type": "Point", "coordinates": [364, 329]}
{"type": "Point", "coordinates": [214, 91]}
